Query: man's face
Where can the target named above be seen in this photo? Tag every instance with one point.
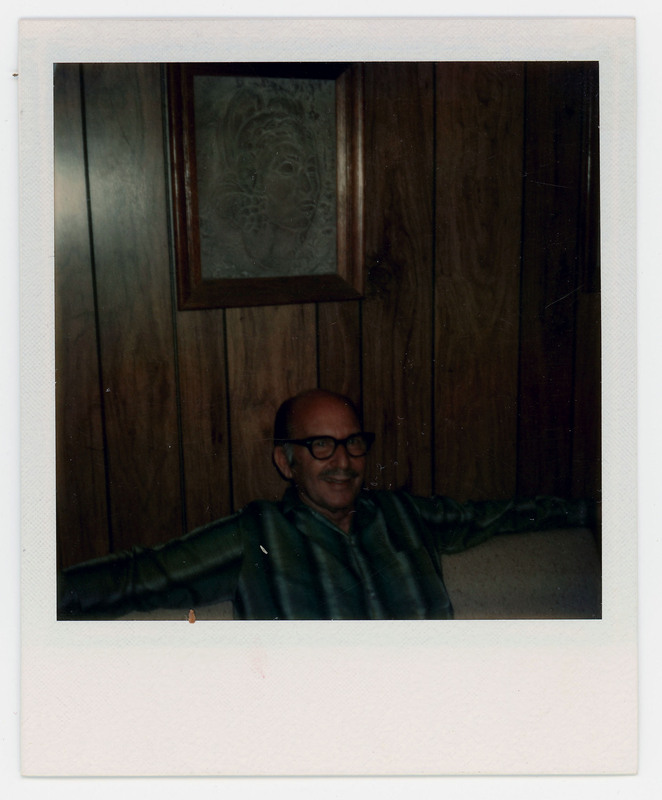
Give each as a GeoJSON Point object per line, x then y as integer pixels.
{"type": "Point", "coordinates": [331, 486]}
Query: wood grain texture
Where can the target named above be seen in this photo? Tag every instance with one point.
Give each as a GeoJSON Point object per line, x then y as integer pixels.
{"type": "Point", "coordinates": [397, 311]}
{"type": "Point", "coordinates": [81, 484]}
{"type": "Point", "coordinates": [587, 416]}
{"type": "Point", "coordinates": [129, 222]}
{"type": "Point", "coordinates": [184, 401]}
{"type": "Point", "coordinates": [339, 349]}
{"type": "Point", "coordinates": [589, 201]}
{"type": "Point", "coordinates": [550, 275]}
{"type": "Point", "coordinates": [587, 431]}
{"type": "Point", "coordinates": [203, 408]}
{"type": "Point", "coordinates": [271, 356]}
{"type": "Point", "coordinates": [478, 211]}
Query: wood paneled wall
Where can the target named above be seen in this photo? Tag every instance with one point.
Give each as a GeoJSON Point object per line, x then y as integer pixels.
{"type": "Point", "coordinates": [474, 353]}
{"type": "Point", "coordinates": [480, 146]}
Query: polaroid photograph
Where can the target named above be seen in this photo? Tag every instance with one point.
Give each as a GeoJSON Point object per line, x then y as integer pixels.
{"type": "Point", "coordinates": [328, 395]}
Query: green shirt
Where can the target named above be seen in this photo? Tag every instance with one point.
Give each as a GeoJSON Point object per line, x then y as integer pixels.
{"type": "Point", "coordinates": [286, 561]}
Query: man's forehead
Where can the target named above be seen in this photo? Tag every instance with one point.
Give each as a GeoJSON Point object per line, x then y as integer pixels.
{"type": "Point", "coordinates": [321, 411]}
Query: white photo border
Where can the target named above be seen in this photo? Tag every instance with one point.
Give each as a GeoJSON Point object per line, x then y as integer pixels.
{"type": "Point", "coordinates": [365, 698]}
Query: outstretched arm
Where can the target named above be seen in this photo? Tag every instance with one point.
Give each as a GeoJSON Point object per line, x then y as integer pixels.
{"type": "Point", "coordinates": [459, 526]}
{"type": "Point", "coordinates": [197, 569]}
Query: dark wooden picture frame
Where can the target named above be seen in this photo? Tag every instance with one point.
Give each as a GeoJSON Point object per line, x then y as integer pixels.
{"type": "Point", "coordinates": [197, 290]}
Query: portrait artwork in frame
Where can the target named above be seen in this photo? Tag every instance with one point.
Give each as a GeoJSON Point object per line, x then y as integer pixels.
{"type": "Point", "coordinates": [267, 182]}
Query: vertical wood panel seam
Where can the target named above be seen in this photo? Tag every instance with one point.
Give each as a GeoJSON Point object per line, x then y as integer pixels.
{"type": "Point", "coordinates": [173, 301]}
{"type": "Point", "coordinates": [573, 404]}
{"type": "Point", "coordinates": [228, 415]}
{"type": "Point", "coordinates": [95, 300]}
{"type": "Point", "coordinates": [317, 345]}
{"type": "Point", "coordinates": [362, 235]}
{"type": "Point", "coordinates": [518, 429]}
{"type": "Point", "coordinates": [360, 346]}
{"type": "Point", "coordinates": [433, 310]}
{"type": "Point", "coordinates": [580, 271]}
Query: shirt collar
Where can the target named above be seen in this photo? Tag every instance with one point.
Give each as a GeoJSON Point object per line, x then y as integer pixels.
{"type": "Point", "coordinates": [365, 506]}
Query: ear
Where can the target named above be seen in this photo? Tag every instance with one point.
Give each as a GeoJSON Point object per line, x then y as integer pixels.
{"type": "Point", "coordinates": [281, 462]}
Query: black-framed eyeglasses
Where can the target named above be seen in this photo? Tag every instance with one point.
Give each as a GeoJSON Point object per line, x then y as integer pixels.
{"type": "Point", "coordinates": [323, 447]}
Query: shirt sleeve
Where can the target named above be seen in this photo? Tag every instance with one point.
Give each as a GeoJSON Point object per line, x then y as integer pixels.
{"type": "Point", "coordinates": [199, 568]}
{"type": "Point", "coordinates": [458, 526]}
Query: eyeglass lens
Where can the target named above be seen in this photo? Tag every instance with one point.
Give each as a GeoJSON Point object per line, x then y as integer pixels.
{"type": "Point", "coordinates": [324, 447]}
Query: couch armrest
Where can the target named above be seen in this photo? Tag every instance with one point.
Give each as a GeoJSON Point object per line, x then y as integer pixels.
{"type": "Point", "coordinates": [539, 575]}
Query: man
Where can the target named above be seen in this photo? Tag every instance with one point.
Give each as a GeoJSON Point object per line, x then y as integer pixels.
{"type": "Point", "coordinates": [328, 550]}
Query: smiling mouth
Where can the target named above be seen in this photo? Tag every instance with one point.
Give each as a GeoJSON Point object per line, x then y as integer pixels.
{"type": "Point", "coordinates": [340, 480]}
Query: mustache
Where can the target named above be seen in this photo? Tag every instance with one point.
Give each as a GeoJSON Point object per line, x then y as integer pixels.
{"type": "Point", "coordinates": [336, 472]}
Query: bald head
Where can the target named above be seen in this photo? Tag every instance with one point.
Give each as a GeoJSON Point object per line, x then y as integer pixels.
{"type": "Point", "coordinates": [291, 411]}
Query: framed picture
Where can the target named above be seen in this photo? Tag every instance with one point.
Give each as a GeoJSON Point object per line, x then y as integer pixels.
{"type": "Point", "coordinates": [267, 182]}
